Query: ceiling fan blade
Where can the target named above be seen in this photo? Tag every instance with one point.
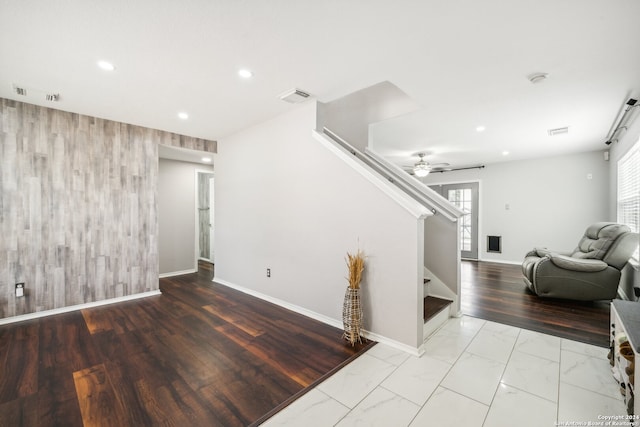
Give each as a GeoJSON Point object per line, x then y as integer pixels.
{"type": "Point", "coordinates": [458, 169]}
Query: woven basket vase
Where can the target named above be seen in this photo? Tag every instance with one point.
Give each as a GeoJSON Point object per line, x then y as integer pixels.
{"type": "Point", "coordinates": [352, 316]}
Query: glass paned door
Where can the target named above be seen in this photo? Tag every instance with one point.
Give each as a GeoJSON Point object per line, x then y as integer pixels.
{"type": "Point", "coordinates": [465, 197]}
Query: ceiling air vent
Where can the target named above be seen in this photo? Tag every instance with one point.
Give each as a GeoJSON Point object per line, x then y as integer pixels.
{"type": "Point", "coordinates": [20, 90]}
{"type": "Point", "coordinates": [558, 131]}
{"type": "Point", "coordinates": [35, 94]}
{"type": "Point", "coordinates": [294, 96]}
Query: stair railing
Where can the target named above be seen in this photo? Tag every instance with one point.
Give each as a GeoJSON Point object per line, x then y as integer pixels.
{"type": "Point", "coordinates": [394, 174]}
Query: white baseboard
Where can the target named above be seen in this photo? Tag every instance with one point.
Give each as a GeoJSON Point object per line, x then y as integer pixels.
{"type": "Point", "coordinates": [414, 351]}
{"type": "Point", "coordinates": [336, 323]}
{"type": "Point", "coordinates": [177, 273]}
{"type": "Point", "coordinates": [45, 313]}
{"type": "Point", "coordinates": [312, 314]}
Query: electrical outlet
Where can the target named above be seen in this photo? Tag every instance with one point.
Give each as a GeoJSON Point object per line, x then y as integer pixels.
{"type": "Point", "coordinates": [19, 289]}
{"type": "Point", "coordinates": [268, 272]}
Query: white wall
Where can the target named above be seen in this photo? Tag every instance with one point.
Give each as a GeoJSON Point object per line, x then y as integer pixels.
{"type": "Point", "coordinates": [350, 116]}
{"type": "Point", "coordinates": [441, 250]}
{"type": "Point", "coordinates": [177, 215]}
{"type": "Point", "coordinates": [285, 202]}
{"type": "Point", "coordinates": [551, 201]}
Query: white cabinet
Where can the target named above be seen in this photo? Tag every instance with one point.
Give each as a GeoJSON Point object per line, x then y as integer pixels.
{"type": "Point", "coordinates": [625, 347]}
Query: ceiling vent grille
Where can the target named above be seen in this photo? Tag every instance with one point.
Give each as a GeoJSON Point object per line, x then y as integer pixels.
{"type": "Point", "coordinates": [294, 96]}
{"type": "Point", "coordinates": [35, 94]}
{"type": "Point", "coordinates": [558, 131]}
{"type": "Point", "coordinates": [20, 90]}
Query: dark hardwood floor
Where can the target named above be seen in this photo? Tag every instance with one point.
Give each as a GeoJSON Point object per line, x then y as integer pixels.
{"type": "Point", "coordinates": [200, 354]}
{"type": "Point", "coordinates": [496, 292]}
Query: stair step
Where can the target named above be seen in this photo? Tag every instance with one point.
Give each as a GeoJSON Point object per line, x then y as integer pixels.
{"type": "Point", "coordinates": [433, 306]}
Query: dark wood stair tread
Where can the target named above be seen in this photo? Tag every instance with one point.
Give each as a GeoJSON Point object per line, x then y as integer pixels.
{"type": "Point", "coordinates": [433, 306]}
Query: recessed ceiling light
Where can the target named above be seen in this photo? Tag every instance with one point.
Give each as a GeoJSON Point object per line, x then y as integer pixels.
{"type": "Point", "coordinates": [480, 129]}
{"type": "Point", "coordinates": [505, 153]}
{"type": "Point", "coordinates": [206, 159]}
{"type": "Point", "coordinates": [107, 66]}
{"type": "Point", "coordinates": [183, 116]}
{"type": "Point", "coordinates": [245, 74]}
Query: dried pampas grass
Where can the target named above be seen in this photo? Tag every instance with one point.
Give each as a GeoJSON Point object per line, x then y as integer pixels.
{"type": "Point", "coordinates": [356, 267]}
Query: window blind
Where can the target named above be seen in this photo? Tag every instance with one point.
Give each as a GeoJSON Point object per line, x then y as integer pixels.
{"type": "Point", "coordinates": [629, 190]}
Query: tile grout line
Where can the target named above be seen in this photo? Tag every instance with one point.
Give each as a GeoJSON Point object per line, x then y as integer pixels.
{"type": "Point", "coordinates": [436, 387]}
{"type": "Point", "coordinates": [502, 376]}
{"type": "Point", "coordinates": [378, 385]}
{"type": "Point", "coordinates": [578, 386]}
{"type": "Point", "coordinates": [409, 358]}
{"type": "Point", "coordinates": [475, 334]}
{"type": "Point", "coordinates": [471, 337]}
{"type": "Point", "coordinates": [559, 383]}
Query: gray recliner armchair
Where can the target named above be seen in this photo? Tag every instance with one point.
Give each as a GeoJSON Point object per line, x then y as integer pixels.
{"type": "Point", "coordinates": [591, 272]}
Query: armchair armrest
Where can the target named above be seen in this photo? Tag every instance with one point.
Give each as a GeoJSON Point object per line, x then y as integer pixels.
{"type": "Point", "coordinates": [542, 252]}
{"type": "Point", "coordinates": [577, 264]}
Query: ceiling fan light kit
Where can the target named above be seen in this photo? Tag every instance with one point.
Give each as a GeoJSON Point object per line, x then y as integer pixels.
{"type": "Point", "coordinates": [421, 170]}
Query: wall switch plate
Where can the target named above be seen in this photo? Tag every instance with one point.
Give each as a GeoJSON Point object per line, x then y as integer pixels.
{"type": "Point", "coordinates": [19, 289]}
{"type": "Point", "coordinates": [268, 272]}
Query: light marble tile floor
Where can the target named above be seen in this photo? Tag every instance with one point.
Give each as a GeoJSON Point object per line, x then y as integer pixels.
{"type": "Point", "coordinates": [473, 373]}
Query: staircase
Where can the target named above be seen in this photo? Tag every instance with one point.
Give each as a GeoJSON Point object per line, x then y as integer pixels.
{"type": "Point", "coordinates": [435, 311]}
{"type": "Point", "coordinates": [441, 229]}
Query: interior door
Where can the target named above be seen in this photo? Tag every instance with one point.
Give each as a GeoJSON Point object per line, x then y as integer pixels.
{"type": "Point", "coordinates": [465, 197]}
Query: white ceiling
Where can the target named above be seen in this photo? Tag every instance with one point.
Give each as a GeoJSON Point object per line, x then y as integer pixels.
{"type": "Point", "coordinates": [465, 62]}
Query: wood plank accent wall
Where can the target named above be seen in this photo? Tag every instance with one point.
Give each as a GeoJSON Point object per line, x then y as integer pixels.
{"type": "Point", "coordinates": [78, 207]}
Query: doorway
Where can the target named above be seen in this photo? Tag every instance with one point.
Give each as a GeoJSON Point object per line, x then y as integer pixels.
{"type": "Point", "coordinates": [465, 197]}
{"type": "Point", "coordinates": [205, 216]}
{"type": "Point", "coordinates": [211, 220]}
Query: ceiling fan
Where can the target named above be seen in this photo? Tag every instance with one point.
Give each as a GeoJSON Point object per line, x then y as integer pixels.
{"type": "Point", "coordinates": [422, 168]}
